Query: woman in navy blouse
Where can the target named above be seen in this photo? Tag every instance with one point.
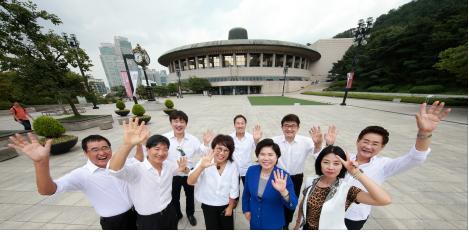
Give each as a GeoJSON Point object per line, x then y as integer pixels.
{"type": "Point", "coordinates": [267, 189]}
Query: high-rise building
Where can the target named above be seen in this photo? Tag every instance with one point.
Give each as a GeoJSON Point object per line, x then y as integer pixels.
{"type": "Point", "coordinates": [113, 62]}
{"type": "Point", "coordinates": [97, 85]}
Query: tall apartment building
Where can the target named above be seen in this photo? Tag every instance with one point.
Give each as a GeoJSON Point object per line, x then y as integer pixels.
{"type": "Point", "coordinates": [97, 85]}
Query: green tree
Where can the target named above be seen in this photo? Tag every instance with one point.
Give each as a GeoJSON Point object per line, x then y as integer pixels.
{"type": "Point", "coordinates": [119, 91]}
{"type": "Point", "coordinates": [454, 60]}
{"type": "Point", "coordinates": [197, 85]}
{"type": "Point", "coordinates": [172, 88]}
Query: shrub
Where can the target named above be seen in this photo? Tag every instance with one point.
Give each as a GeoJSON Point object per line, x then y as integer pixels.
{"type": "Point", "coordinates": [120, 105]}
{"type": "Point", "coordinates": [427, 89]}
{"type": "Point", "coordinates": [168, 103]}
{"type": "Point", "coordinates": [48, 127]}
{"type": "Point", "coordinates": [138, 110]}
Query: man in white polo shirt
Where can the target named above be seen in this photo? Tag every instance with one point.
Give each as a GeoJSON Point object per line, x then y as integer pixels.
{"type": "Point", "coordinates": [108, 195]}
{"type": "Point", "coordinates": [372, 140]}
{"type": "Point", "coordinates": [185, 145]}
{"type": "Point", "coordinates": [149, 181]}
{"type": "Point", "coordinates": [245, 143]}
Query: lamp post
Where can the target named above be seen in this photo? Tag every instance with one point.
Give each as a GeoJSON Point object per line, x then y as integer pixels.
{"type": "Point", "coordinates": [360, 34]}
{"type": "Point", "coordinates": [142, 58]}
{"type": "Point", "coordinates": [125, 57]}
{"type": "Point", "coordinates": [285, 71]}
{"type": "Point", "coordinates": [73, 43]}
{"type": "Point", "coordinates": [178, 73]}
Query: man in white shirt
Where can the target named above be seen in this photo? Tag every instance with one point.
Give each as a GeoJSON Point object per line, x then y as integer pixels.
{"type": "Point", "coordinates": [184, 145]}
{"type": "Point", "coordinates": [245, 144]}
{"type": "Point", "coordinates": [149, 181]}
{"type": "Point", "coordinates": [108, 195]}
{"type": "Point", "coordinates": [295, 149]}
{"type": "Point", "coordinates": [372, 140]}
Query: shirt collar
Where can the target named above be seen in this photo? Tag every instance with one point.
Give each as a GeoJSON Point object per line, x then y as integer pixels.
{"type": "Point", "coordinates": [354, 157]}
{"type": "Point", "coordinates": [234, 136]}
{"type": "Point", "coordinates": [284, 139]}
{"type": "Point", "coordinates": [173, 136]}
{"type": "Point", "coordinates": [147, 164]}
{"type": "Point", "coordinates": [91, 166]}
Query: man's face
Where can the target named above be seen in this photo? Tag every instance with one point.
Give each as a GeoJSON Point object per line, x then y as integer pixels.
{"type": "Point", "coordinates": [369, 145]}
{"type": "Point", "coordinates": [158, 154]}
{"type": "Point", "coordinates": [99, 153]}
{"type": "Point", "coordinates": [240, 125]}
{"type": "Point", "coordinates": [290, 128]}
{"type": "Point", "coordinates": [178, 125]}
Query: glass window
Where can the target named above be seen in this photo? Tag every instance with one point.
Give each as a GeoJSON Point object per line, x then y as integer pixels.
{"type": "Point", "coordinates": [289, 61]}
{"type": "Point", "coordinates": [214, 61]}
{"type": "Point", "coordinates": [227, 60]}
{"type": "Point", "coordinates": [184, 65]}
{"type": "Point", "coordinates": [201, 61]}
{"type": "Point", "coordinates": [279, 60]}
{"type": "Point", "coordinates": [267, 61]}
{"type": "Point", "coordinates": [302, 66]}
{"type": "Point", "coordinates": [241, 60]}
{"type": "Point", "coordinates": [191, 63]}
{"type": "Point", "coordinates": [254, 60]}
{"type": "Point", "coordinates": [297, 62]}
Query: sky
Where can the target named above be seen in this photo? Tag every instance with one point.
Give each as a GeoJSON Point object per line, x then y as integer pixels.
{"type": "Point", "coordinates": [159, 26]}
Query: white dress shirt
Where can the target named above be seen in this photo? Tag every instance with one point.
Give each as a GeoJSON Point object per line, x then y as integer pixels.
{"type": "Point", "coordinates": [294, 154]}
{"type": "Point", "coordinates": [214, 189]}
{"type": "Point", "coordinates": [379, 169]}
{"type": "Point", "coordinates": [149, 190]}
{"type": "Point", "coordinates": [244, 148]}
{"type": "Point", "coordinates": [108, 195]}
{"type": "Point", "coordinates": [190, 145]}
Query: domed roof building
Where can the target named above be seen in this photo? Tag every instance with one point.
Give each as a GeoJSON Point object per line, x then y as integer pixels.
{"type": "Point", "coordinates": [243, 66]}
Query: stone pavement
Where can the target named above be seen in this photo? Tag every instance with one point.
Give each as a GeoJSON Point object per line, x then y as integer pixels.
{"type": "Point", "coordinates": [432, 196]}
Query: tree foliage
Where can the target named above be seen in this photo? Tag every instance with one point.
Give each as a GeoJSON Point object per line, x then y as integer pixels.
{"type": "Point", "coordinates": [423, 43]}
{"type": "Point", "coordinates": [197, 85]}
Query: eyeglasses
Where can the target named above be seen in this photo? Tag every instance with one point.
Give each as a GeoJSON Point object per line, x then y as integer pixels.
{"type": "Point", "coordinates": [181, 151]}
{"type": "Point", "coordinates": [104, 149]}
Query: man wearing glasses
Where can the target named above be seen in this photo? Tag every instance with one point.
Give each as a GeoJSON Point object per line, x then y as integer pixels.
{"type": "Point", "coordinates": [108, 195]}
{"type": "Point", "coordinates": [183, 144]}
{"type": "Point", "coordinates": [295, 149]}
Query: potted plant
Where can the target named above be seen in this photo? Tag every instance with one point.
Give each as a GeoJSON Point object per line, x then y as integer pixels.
{"type": "Point", "coordinates": [169, 106]}
{"type": "Point", "coordinates": [139, 112]}
{"type": "Point", "coordinates": [122, 111]}
{"type": "Point", "coordinates": [51, 128]}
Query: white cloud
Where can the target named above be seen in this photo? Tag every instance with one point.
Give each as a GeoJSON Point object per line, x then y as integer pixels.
{"type": "Point", "coordinates": [159, 25]}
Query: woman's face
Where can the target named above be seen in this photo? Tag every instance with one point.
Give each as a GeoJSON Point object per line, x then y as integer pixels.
{"type": "Point", "coordinates": [267, 158]}
{"type": "Point", "coordinates": [331, 165]}
{"type": "Point", "coordinates": [221, 154]}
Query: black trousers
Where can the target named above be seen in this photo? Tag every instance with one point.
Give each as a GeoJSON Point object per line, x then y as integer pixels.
{"type": "Point", "coordinates": [215, 218]}
{"type": "Point", "coordinates": [123, 221]}
{"type": "Point", "coordinates": [26, 124]}
{"type": "Point", "coordinates": [178, 182]}
{"type": "Point", "coordinates": [164, 220]}
{"type": "Point", "coordinates": [297, 182]}
{"type": "Point", "coordinates": [354, 225]}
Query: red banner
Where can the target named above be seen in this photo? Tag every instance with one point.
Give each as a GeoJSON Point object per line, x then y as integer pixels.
{"type": "Point", "coordinates": [349, 80]}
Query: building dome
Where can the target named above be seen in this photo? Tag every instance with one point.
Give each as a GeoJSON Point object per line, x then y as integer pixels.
{"type": "Point", "coordinates": [238, 33]}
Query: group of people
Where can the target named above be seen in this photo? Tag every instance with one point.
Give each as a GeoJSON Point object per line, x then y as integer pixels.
{"type": "Point", "coordinates": [143, 191]}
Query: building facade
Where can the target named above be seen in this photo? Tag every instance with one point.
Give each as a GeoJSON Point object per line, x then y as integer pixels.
{"type": "Point", "coordinates": [244, 66]}
{"type": "Point", "coordinates": [98, 86]}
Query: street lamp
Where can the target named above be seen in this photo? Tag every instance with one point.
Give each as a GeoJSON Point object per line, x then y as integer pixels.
{"type": "Point", "coordinates": [178, 73]}
{"type": "Point", "coordinates": [73, 42]}
{"type": "Point", "coordinates": [285, 71]}
{"type": "Point", "coordinates": [360, 34]}
{"type": "Point", "coordinates": [125, 57]}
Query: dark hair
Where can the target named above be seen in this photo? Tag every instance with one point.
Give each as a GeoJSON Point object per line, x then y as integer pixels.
{"type": "Point", "coordinates": [268, 143]}
{"type": "Point", "coordinates": [93, 138]}
{"type": "Point", "coordinates": [375, 130]}
{"type": "Point", "coordinates": [224, 140]}
{"type": "Point", "coordinates": [328, 150]}
{"type": "Point", "coordinates": [177, 114]}
{"type": "Point", "coordinates": [290, 118]}
{"type": "Point", "coordinates": [239, 116]}
{"type": "Point", "coordinates": [157, 139]}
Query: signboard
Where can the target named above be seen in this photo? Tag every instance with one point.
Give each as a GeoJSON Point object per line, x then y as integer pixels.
{"type": "Point", "coordinates": [349, 79]}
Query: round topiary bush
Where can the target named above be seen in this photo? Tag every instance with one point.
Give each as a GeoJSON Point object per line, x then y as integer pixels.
{"type": "Point", "coordinates": [168, 103]}
{"type": "Point", "coordinates": [120, 105]}
{"type": "Point", "coordinates": [48, 127]}
{"type": "Point", "coordinates": [138, 110]}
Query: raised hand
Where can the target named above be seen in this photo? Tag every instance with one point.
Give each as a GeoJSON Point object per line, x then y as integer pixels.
{"type": "Point", "coordinates": [257, 133]}
{"type": "Point", "coordinates": [207, 160]}
{"type": "Point", "coordinates": [331, 135]}
{"type": "Point", "coordinates": [428, 120]}
{"type": "Point", "coordinates": [280, 181]}
{"type": "Point", "coordinates": [316, 135]}
{"type": "Point", "coordinates": [350, 165]}
{"type": "Point", "coordinates": [207, 137]}
{"type": "Point", "coordinates": [34, 150]}
{"type": "Point", "coordinates": [134, 133]}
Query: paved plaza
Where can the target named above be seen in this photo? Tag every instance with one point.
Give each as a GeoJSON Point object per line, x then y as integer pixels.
{"type": "Point", "coordinates": [431, 196]}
